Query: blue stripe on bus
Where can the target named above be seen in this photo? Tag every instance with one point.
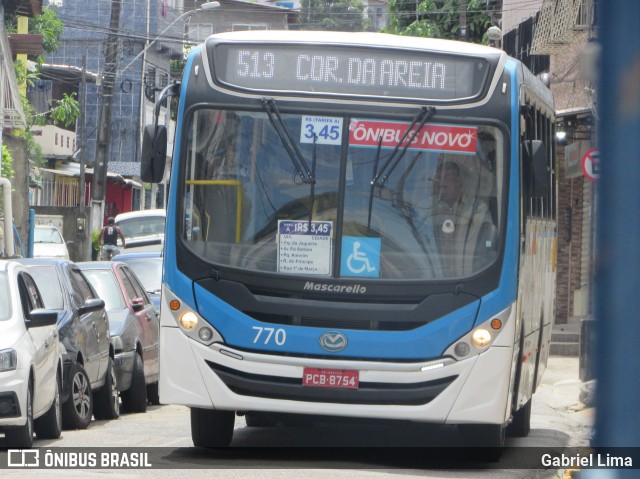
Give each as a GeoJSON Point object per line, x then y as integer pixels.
{"type": "Point", "coordinates": [501, 298]}
{"type": "Point", "coordinates": [428, 341]}
{"type": "Point", "coordinates": [179, 284]}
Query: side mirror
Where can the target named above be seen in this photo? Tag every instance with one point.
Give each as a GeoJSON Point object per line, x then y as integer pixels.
{"type": "Point", "coordinates": [154, 153]}
{"type": "Point", "coordinates": [41, 317]}
{"type": "Point", "coordinates": [91, 305]}
{"type": "Point", "coordinates": [535, 156]}
{"type": "Point", "coordinates": [137, 304]}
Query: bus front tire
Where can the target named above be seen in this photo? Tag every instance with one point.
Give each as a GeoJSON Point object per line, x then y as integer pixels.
{"type": "Point", "coordinates": [484, 442]}
{"type": "Point", "coordinates": [521, 423]}
{"type": "Point", "coordinates": [212, 428]}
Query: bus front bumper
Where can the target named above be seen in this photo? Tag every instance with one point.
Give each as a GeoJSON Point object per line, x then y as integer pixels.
{"type": "Point", "coordinates": [443, 391]}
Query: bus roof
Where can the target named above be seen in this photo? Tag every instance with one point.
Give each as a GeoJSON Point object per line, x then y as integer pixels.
{"type": "Point", "coordinates": [359, 39]}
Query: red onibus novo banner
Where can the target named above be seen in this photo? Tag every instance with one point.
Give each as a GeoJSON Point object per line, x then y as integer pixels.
{"type": "Point", "coordinates": [456, 139]}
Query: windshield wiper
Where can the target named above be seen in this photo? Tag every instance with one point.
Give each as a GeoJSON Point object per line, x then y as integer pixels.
{"type": "Point", "coordinates": [373, 185]}
{"type": "Point", "coordinates": [295, 155]}
{"type": "Point", "coordinates": [422, 116]}
{"type": "Point", "coordinates": [379, 178]}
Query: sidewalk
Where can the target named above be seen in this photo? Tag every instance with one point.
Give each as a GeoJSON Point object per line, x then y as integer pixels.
{"type": "Point", "coordinates": [559, 417]}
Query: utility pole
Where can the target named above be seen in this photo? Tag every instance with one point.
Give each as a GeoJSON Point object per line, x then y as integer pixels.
{"type": "Point", "coordinates": [464, 35]}
{"type": "Point", "coordinates": [100, 166]}
{"type": "Point", "coordinates": [82, 193]}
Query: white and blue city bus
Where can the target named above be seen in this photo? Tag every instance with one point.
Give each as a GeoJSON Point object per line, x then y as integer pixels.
{"type": "Point", "coordinates": [359, 225]}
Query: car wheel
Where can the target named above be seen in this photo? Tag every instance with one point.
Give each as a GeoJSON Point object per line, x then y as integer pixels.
{"type": "Point", "coordinates": [108, 397]}
{"type": "Point", "coordinates": [152, 394]}
{"type": "Point", "coordinates": [212, 428]}
{"type": "Point", "coordinates": [22, 436]}
{"type": "Point", "coordinates": [134, 399]}
{"type": "Point", "coordinates": [49, 426]}
{"type": "Point", "coordinates": [77, 410]}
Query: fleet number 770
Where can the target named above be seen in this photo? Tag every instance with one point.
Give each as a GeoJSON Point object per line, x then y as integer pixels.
{"type": "Point", "coordinates": [279, 335]}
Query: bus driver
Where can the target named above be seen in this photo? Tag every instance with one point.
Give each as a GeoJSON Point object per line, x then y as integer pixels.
{"type": "Point", "coordinates": [459, 221]}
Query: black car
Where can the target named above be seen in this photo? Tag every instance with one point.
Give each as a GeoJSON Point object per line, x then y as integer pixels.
{"type": "Point", "coordinates": [89, 381]}
{"type": "Point", "coordinates": [135, 329]}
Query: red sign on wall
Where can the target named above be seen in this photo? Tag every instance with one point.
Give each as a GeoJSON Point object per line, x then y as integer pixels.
{"type": "Point", "coordinates": [447, 138]}
{"type": "Point", "coordinates": [591, 164]}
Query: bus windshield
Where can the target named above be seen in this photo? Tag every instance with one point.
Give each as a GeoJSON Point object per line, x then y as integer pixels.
{"type": "Point", "coordinates": [434, 212]}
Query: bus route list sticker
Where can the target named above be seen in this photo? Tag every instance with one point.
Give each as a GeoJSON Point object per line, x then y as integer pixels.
{"type": "Point", "coordinates": [304, 248]}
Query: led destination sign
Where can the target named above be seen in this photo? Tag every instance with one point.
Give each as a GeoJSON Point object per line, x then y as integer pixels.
{"type": "Point", "coordinates": [350, 71]}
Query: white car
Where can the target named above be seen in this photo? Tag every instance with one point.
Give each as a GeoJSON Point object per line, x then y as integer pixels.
{"type": "Point", "coordinates": [143, 230]}
{"type": "Point", "coordinates": [30, 361]}
{"type": "Point", "coordinates": [49, 243]}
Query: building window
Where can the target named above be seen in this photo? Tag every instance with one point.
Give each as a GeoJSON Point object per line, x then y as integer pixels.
{"type": "Point", "coordinates": [163, 79]}
{"type": "Point", "coordinates": [197, 32]}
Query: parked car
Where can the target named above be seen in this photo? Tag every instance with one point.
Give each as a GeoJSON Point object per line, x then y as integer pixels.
{"type": "Point", "coordinates": [143, 230]}
{"type": "Point", "coordinates": [49, 243]}
{"type": "Point", "coordinates": [30, 360]}
{"type": "Point", "coordinates": [89, 385]}
{"type": "Point", "coordinates": [135, 329]}
{"type": "Point", "coordinates": [148, 268]}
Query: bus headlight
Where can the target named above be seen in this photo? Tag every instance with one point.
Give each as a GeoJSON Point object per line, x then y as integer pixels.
{"type": "Point", "coordinates": [205, 334]}
{"type": "Point", "coordinates": [462, 349]}
{"type": "Point", "coordinates": [481, 338]}
{"type": "Point", "coordinates": [486, 334]}
{"type": "Point", "coordinates": [188, 320]}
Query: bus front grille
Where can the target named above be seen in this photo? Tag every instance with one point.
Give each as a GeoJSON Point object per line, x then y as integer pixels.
{"type": "Point", "coordinates": [285, 388]}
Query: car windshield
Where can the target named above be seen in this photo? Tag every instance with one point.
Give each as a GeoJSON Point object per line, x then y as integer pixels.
{"type": "Point", "coordinates": [5, 300]}
{"type": "Point", "coordinates": [107, 287]}
{"type": "Point", "coordinates": [148, 271]}
{"type": "Point", "coordinates": [253, 182]}
{"type": "Point", "coordinates": [142, 226]}
{"type": "Point", "coordinates": [47, 235]}
{"type": "Point", "coordinates": [48, 283]}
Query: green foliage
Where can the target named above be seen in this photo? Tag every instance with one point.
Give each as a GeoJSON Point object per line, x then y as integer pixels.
{"type": "Point", "coordinates": [7, 164]}
{"type": "Point", "coordinates": [35, 150]}
{"type": "Point", "coordinates": [49, 26]}
{"type": "Point", "coordinates": [66, 111]}
{"type": "Point", "coordinates": [439, 19]}
{"type": "Point", "coordinates": [176, 66]}
{"type": "Point", "coordinates": [333, 15]}
{"type": "Point", "coordinates": [24, 74]}
{"type": "Point", "coordinates": [95, 245]}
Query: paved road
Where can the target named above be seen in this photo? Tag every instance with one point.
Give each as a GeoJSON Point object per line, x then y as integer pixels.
{"type": "Point", "coordinates": [334, 450]}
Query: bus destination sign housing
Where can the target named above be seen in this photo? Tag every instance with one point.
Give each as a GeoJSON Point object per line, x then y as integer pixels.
{"type": "Point", "coordinates": [348, 71]}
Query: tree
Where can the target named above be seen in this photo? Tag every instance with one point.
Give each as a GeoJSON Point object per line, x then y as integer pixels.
{"type": "Point", "coordinates": [333, 15]}
{"type": "Point", "coordinates": [7, 164]}
{"type": "Point", "coordinates": [440, 18]}
{"type": "Point", "coordinates": [66, 110]}
{"type": "Point", "coordinates": [48, 25]}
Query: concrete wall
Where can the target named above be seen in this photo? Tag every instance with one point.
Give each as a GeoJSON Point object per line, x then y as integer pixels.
{"type": "Point", "coordinates": [20, 183]}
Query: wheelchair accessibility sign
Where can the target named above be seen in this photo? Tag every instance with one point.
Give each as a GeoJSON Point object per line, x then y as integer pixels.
{"type": "Point", "coordinates": [360, 257]}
